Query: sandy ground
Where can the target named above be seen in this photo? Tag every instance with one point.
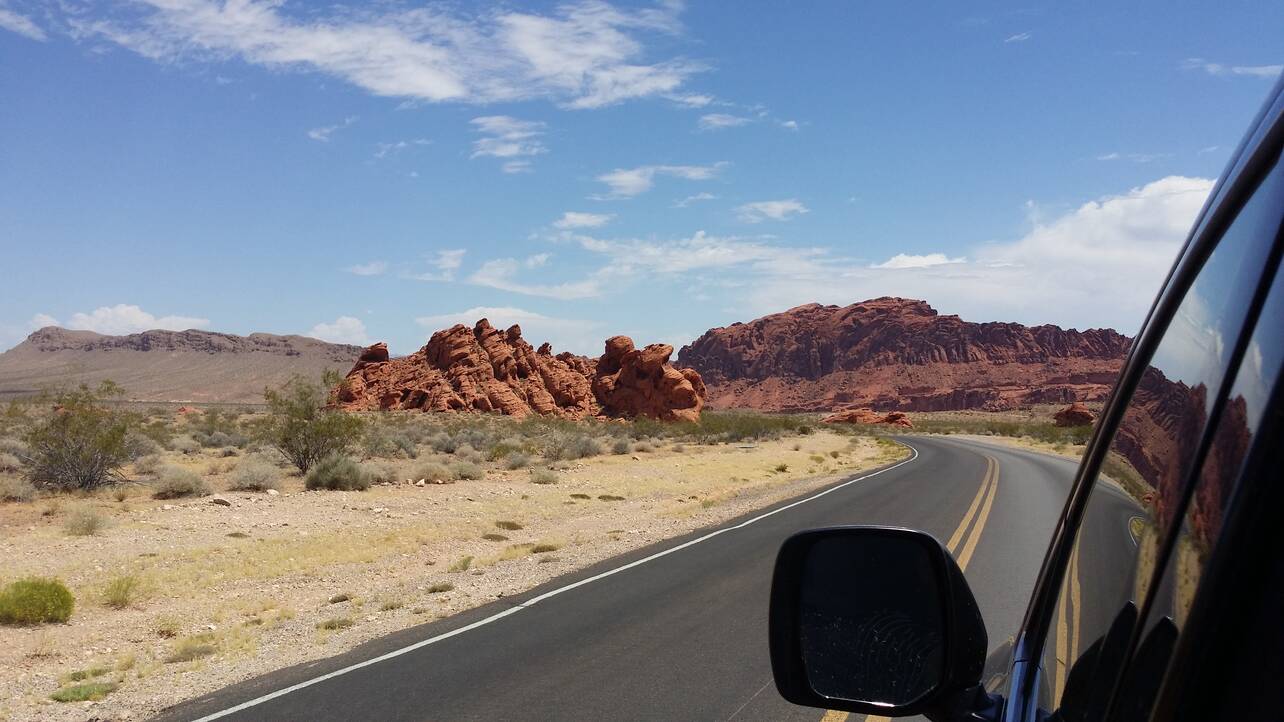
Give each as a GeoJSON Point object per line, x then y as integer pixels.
{"type": "Point", "coordinates": [246, 588]}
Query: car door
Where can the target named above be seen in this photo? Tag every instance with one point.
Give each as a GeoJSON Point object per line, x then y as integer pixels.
{"type": "Point", "coordinates": [1141, 527]}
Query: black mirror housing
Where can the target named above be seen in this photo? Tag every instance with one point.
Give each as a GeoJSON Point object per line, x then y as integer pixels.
{"type": "Point", "coordinates": [875, 620]}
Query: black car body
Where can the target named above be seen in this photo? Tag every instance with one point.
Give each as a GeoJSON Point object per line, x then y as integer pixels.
{"type": "Point", "coordinates": [1183, 473]}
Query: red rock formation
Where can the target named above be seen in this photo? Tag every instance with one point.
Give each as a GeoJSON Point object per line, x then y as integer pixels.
{"type": "Point", "coordinates": [640, 382]}
{"type": "Point", "coordinates": [899, 354]}
{"type": "Point", "coordinates": [485, 369]}
{"type": "Point", "coordinates": [1076, 414]}
{"type": "Point", "coordinates": [868, 416]}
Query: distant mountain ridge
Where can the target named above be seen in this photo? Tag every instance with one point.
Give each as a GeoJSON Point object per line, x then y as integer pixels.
{"type": "Point", "coordinates": [899, 354]}
{"type": "Point", "coordinates": [157, 365]}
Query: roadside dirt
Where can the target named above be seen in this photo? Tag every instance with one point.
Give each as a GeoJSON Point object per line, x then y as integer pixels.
{"type": "Point", "coordinates": [268, 581]}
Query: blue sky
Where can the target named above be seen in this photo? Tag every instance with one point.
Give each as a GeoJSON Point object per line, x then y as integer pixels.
{"type": "Point", "coordinates": [375, 172]}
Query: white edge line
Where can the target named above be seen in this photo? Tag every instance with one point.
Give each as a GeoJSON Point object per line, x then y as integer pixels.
{"type": "Point", "coordinates": [531, 602]}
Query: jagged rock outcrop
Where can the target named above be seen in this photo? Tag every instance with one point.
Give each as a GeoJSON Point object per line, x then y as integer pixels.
{"type": "Point", "coordinates": [869, 416]}
{"type": "Point", "coordinates": [1076, 414]}
{"type": "Point", "coordinates": [485, 369]}
{"type": "Point", "coordinates": [899, 354]}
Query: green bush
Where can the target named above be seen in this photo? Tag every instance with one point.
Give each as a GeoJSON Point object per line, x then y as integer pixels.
{"type": "Point", "coordinates": [337, 473]}
{"type": "Point", "coordinates": [84, 692]}
{"type": "Point", "coordinates": [80, 446]}
{"type": "Point", "coordinates": [35, 600]}
{"type": "Point", "coordinates": [255, 474]}
{"type": "Point", "coordinates": [303, 428]}
{"type": "Point", "coordinates": [174, 482]}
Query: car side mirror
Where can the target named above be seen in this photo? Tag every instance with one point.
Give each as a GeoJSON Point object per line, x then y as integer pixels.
{"type": "Point", "coordinates": [875, 620]}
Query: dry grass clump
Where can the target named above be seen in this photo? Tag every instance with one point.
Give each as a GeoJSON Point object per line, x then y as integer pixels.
{"type": "Point", "coordinates": [441, 587]}
{"type": "Point", "coordinates": [335, 623]}
{"type": "Point", "coordinates": [192, 648]}
{"type": "Point", "coordinates": [545, 547]}
{"type": "Point", "coordinates": [9, 463]}
{"type": "Point", "coordinates": [85, 692]}
{"type": "Point", "coordinates": [432, 471]}
{"type": "Point", "coordinates": [175, 482]}
{"type": "Point", "coordinates": [494, 537]}
{"type": "Point", "coordinates": [12, 489]}
{"type": "Point", "coordinates": [167, 627]}
{"type": "Point", "coordinates": [516, 460]}
{"type": "Point", "coordinates": [543, 476]}
{"type": "Point", "coordinates": [83, 521]}
{"type": "Point", "coordinates": [255, 474]}
{"type": "Point", "coordinates": [610, 497]}
{"type": "Point", "coordinates": [122, 591]}
{"type": "Point", "coordinates": [35, 600]}
{"type": "Point", "coordinates": [467, 470]}
{"type": "Point", "coordinates": [508, 525]}
{"type": "Point", "coordinates": [620, 447]}
{"type": "Point", "coordinates": [460, 565]}
{"type": "Point", "coordinates": [581, 496]}
{"type": "Point", "coordinates": [340, 597]}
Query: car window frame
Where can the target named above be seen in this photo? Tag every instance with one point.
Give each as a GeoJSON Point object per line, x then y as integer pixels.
{"type": "Point", "coordinates": [1255, 156]}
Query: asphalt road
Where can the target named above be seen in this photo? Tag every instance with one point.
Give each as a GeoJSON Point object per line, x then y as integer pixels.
{"type": "Point", "coordinates": [682, 635]}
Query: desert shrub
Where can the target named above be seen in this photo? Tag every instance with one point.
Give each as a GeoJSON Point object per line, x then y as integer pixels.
{"type": "Point", "coordinates": [572, 447]}
{"type": "Point", "coordinates": [441, 587]}
{"type": "Point", "coordinates": [16, 489]}
{"type": "Point", "coordinates": [189, 649]}
{"type": "Point", "coordinates": [184, 445]}
{"type": "Point", "coordinates": [336, 472]}
{"type": "Point", "coordinates": [544, 548]}
{"type": "Point", "coordinates": [516, 460]}
{"type": "Point", "coordinates": [35, 600]}
{"type": "Point", "coordinates": [167, 627]}
{"type": "Point", "coordinates": [340, 598]}
{"type": "Point", "coordinates": [543, 476]}
{"type": "Point", "coordinates": [433, 471]}
{"type": "Point", "coordinates": [643, 447]}
{"type": "Point", "coordinates": [508, 525]}
{"type": "Point", "coordinates": [406, 446]}
{"type": "Point", "coordinates": [467, 470]}
{"type": "Point", "coordinates": [380, 473]}
{"type": "Point", "coordinates": [174, 482]}
{"type": "Point", "coordinates": [610, 497]}
{"type": "Point", "coordinates": [254, 474]}
{"type": "Point", "coordinates": [122, 591]}
{"type": "Point", "coordinates": [138, 444]}
{"type": "Point", "coordinates": [780, 468]}
{"type": "Point", "coordinates": [492, 536]}
{"type": "Point", "coordinates": [620, 446]}
{"type": "Point", "coordinates": [443, 443]}
{"type": "Point", "coordinates": [83, 521]}
{"type": "Point", "coordinates": [148, 465]}
{"type": "Point", "coordinates": [14, 447]}
{"type": "Point", "coordinates": [679, 448]}
{"type": "Point", "coordinates": [460, 565]}
{"type": "Point", "coordinates": [303, 428]}
{"type": "Point", "coordinates": [80, 446]}
{"type": "Point", "coordinates": [84, 692]}
{"type": "Point", "coordinates": [466, 452]}
{"type": "Point", "coordinates": [9, 462]}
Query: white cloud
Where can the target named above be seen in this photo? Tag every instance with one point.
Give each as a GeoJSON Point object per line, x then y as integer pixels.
{"type": "Point", "coordinates": [565, 334]}
{"type": "Point", "coordinates": [573, 219]}
{"type": "Point", "coordinates": [1134, 157]}
{"type": "Point", "coordinates": [700, 251]}
{"type": "Point", "coordinates": [20, 24]}
{"type": "Point", "coordinates": [125, 318]}
{"type": "Point", "coordinates": [581, 55]}
{"type": "Point", "coordinates": [789, 124]}
{"type": "Point", "coordinates": [694, 199]}
{"type": "Point", "coordinates": [501, 273]}
{"type": "Point", "coordinates": [516, 166]}
{"type": "Point", "coordinates": [41, 320]}
{"type": "Point", "coordinates": [504, 136]}
{"type": "Point", "coordinates": [373, 268]}
{"type": "Point", "coordinates": [781, 210]}
{"type": "Point", "coordinates": [691, 100]}
{"type": "Point", "coordinates": [1257, 71]}
{"type": "Point", "coordinates": [1209, 149]}
{"type": "Point", "coordinates": [537, 260]}
{"type": "Point", "coordinates": [905, 260]}
{"type": "Point", "coordinates": [323, 133]}
{"type": "Point", "coordinates": [384, 150]}
{"type": "Point", "coordinates": [444, 263]}
{"type": "Point", "coordinates": [1018, 38]}
{"type": "Point", "coordinates": [629, 182]}
{"type": "Point", "coordinates": [719, 121]}
{"type": "Point", "coordinates": [344, 329]}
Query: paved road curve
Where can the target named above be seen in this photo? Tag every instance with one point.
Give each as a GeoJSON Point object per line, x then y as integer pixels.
{"type": "Point", "coordinates": [682, 635]}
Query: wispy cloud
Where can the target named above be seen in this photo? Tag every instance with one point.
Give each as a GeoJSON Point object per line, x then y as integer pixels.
{"type": "Point", "coordinates": [373, 268]}
{"type": "Point", "coordinates": [20, 24]}
{"type": "Point", "coordinates": [1017, 38]}
{"type": "Point", "coordinates": [502, 274]}
{"type": "Point", "coordinates": [722, 121]}
{"type": "Point", "coordinates": [323, 133]}
{"type": "Point", "coordinates": [1209, 149]}
{"type": "Point", "coordinates": [691, 100]}
{"type": "Point", "coordinates": [694, 199]}
{"type": "Point", "coordinates": [1134, 157]}
{"type": "Point", "coordinates": [781, 210]}
{"type": "Point", "coordinates": [385, 150]}
{"type": "Point", "coordinates": [510, 139]}
{"type": "Point", "coordinates": [344, 329]}
{"type": "Point", "coordinates": [630, 182]}
{"type": "Point", "coordinates": [574, 219]}
{"type": "Point", "coordinates": [444, 264]}
{"type": "Point", "coordinates": [580, 55]}
{"type": "Point", "coordinates": [1256, 71]}
{"type": "Point", "coordinates": [789, 124]}
{"type": "Point", "coordinates": [906, 260]}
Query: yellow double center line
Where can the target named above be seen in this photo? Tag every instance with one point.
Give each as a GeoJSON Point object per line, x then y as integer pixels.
{"type": "Point", "coordinates": [967, 535]}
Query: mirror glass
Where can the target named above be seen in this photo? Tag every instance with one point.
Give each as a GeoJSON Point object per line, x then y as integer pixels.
{"type": "Point", "coordinates": [871, 618]}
